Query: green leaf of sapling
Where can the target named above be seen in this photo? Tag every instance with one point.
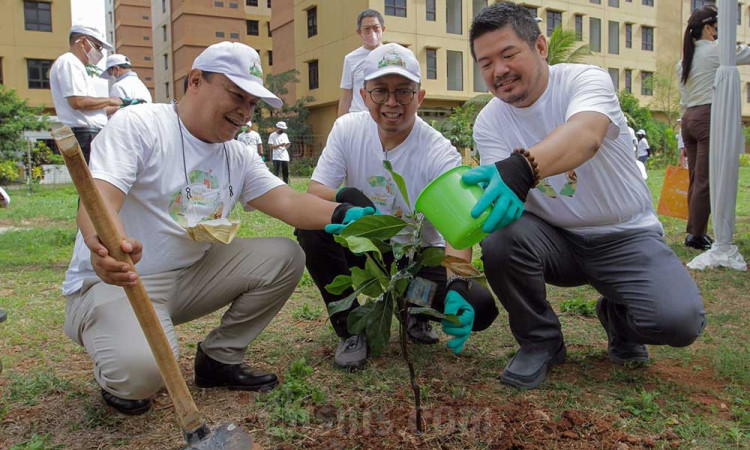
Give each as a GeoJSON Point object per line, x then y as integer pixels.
{"type": "Point", "coordinates": [399, 182]}
{"type": "Point", "coordinates": [339, 284]}
{"type": "Point", "coordinates": [432, 256]}
{"type": "Point", "coordinates": [377, 227]}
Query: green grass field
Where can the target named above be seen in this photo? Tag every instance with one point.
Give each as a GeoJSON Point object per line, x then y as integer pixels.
{"type": "Point", "coordinates": [695, 397]}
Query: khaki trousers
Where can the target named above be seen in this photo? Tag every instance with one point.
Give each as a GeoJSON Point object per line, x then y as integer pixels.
{"type": "Point", "coordinates": [254, 276]}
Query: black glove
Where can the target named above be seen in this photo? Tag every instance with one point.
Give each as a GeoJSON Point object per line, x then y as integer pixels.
{"type": "Point", "coordinates": [516, 174]}
{"type": "Point", "coordinates": [479, 297]}
{"type": "Point", "coordinates": [354, 196]}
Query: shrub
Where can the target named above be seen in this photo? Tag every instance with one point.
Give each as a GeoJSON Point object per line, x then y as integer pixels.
{"type": "Point", "coordinates": [8, 172]}
{"type": "Point", "coordinates": [745, 160]}
{"type": "Point", "coordinates": [302, 167]}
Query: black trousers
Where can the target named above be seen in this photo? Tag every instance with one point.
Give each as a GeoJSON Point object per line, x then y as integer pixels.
{"type": "Point", "coordinates": [326, 259]}
{"type": "Point", "coordinates": [651, 297]}
{"type": "Point", "coordinates": [284, 166]}
{"type": "Point", "coordinates": [84, 136]}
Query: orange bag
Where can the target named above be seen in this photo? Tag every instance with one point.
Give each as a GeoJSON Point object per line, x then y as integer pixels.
{"type": "Point", "coordinates": [673, 199]}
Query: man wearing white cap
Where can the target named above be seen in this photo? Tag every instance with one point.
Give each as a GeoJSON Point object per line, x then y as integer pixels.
{"type": "Point", "coordinates": [356, 148]}
{"type": "Point", "coordinates": [174, 173]}
{"type": "Point", "coordinates": [279, 143]}
{"type": "Point", "coordinates": [252, 139]}
{"type": "Point", "coordinates": [644, 150]}
{"type": "Point", "coordinates": [73, 90]}
{"type": "Point", "coordinates": [127, 85]}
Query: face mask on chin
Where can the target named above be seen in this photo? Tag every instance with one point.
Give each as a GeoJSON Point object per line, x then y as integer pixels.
{"type": "Point", "coordinates": [93, 55]}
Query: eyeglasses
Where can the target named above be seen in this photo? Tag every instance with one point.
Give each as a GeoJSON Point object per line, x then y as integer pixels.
{"type": "Point", "coordinates": [95, 44]}
{"type": "Point", "coordinates": [381, 95]}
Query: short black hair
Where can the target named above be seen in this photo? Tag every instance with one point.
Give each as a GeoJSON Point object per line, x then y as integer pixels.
{"type": "Point", "coordinates": [74, 37]}
{"type": "Point", "coordinates": [370, 13]}
{"type": "Point", "coordinates": [125, 66]}
{"type": "Point", "coordinates": [204, 73]}
{"type": "Point", "coordinates": [502, 14]}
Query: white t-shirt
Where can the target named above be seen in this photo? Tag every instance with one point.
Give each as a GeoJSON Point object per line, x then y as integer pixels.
{"type": "Point", "coordinates": [279, 153]}
{"type": "Point", "coordinates": [609, 194]}
{"type": "Point", "coordinates": [68, 78]}
{"type": "Point", "coordinates": [354, 156]}
{"type": "Point", "coordinates": [129, 85]}
{"type": "Point", "coordinates": [353, 77]}
{"type": "Point", "coordinates": [251, 139]}
{"type": "Point", "coordinates": [140, 153]}
{"type": "Point", "coordinates": [633, 138]}
{"type": "Point", "coordinates": [643, 147]}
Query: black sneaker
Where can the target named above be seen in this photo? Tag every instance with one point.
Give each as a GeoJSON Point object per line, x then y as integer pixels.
{"type": "Point", "coordinates": [126, 406]}
{"type": "Point", "coordinates": [699, 242]}
{"type": "Point", "coordinates": [620, 351]}
{"type": "Point", "coordinates": [528, 368]}
{"type": "Point", "coordinates": [238, 377]}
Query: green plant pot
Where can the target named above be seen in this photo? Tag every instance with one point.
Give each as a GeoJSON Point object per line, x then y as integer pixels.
{"type": "Point", "coordinates": [447, 202]}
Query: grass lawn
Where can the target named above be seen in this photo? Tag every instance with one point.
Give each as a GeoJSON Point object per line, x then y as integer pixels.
{"type": "Point", "coordinates": [694, 397]}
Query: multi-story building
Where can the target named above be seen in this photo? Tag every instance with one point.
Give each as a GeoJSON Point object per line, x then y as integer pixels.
{"type": "Point", "coordinates": [128, 29]}
{"type": "Point", "coordinates": [32, 35]}
{"type": "Point", "coordinates": [631, 39]}
{"type": "Point", "coordinates": [181, 29]}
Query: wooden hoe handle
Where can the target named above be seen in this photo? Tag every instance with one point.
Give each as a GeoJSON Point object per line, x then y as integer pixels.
{"type": "Point", "coordinates": [92, 200]}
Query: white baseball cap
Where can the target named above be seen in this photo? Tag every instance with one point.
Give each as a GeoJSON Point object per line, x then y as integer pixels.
{"type": "Point", "coordinates": [392, 59]}
{"type": "Point", "coordinates": [281, 125]}
{"type": "Point", "coordinates": [641, 131]}
{"type": "Point", "coordinates": [239, 63]}
{"type": "Point", "coordinates": [92, 32]}
{"type": "Point", "coordinates": [112, 61]}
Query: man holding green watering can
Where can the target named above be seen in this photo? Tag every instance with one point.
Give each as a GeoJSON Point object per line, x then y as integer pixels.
{"type": "Point", "coordinates": [354, 155]}
{"type": "Point", "coordinates": [570, 207]}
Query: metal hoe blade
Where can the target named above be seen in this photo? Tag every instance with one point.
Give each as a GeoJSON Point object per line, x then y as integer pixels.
{"type": "Point", "coordinates": [227, 436]}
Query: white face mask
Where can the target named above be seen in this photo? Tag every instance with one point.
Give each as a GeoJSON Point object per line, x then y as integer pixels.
{"type": "Point", "coordinates": [372, 38]}
{"type": "Point", "coordinates": [93, 55]}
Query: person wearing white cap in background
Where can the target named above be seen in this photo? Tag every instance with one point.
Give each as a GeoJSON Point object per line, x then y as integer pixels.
{"type": "Point", "coordinates": [73, 90]}
{"type": "Point", "coordinates": [126, 83]}
{"type": "Point", "coordinates": [370, 27]}
{"type": "Point", "coordinates": [278, 141]}
{"type": "Point", "coordinates": [644, 150]}
{"type": "Point", "coordinates": [252, 139]}
{"type": "Point", "coordinates": [173, 173]}
{"type": "Point", "coordinates": [354, 153]}
{"type": "Point", "coordinates": [4, 198]}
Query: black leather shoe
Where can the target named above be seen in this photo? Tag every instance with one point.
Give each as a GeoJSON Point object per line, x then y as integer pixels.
{"type": "Point", "coordinates": [125, 406]}
{"type": "Point", "coordinates": [240, 377]}
{"type": "Point", "coordinates": [619, 350]}
{"type": "Point", "coordinates": [528, 368]}
{"type": "Point", "coordinates": [700, 242]}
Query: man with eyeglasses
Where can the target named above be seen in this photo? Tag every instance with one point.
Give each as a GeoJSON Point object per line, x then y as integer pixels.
{"type": "Point", "coordinates": [73, 89]}
{"type": "Point", "coordinates": [174, 173]}
{"type": "Point", "coordinates": [357, 146]}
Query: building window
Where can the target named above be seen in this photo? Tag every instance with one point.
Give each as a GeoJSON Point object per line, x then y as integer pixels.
{"type": "Point", "coordinates": [37, 16]}
{"type": "Point", "coordinates": [312, 22]}
{"type": "Point", "coordinates": [614, 38]}
{"type": "Point", "coordinates": [166, 61]}
{"type": "Point", "coordinates": [219, 4]}
{"type": "Point", "coordinates": [166, 90]}
{"type": "Point", "coordinates": [453, 16]}
{"type": "Point", "coordinates": [695, 4]}
{"type": "Point", "coordinates": [647, 2]}
{"type": "Point", "coordinates": [615, 75]}
{"type": "Point", "coordinates": [477, 5]}
{"type": "Point", "coordinates": [395, 8]}
{"type": "Point", "coordinates": [147, 58]}
{"type": "Point", "coordinates": [163, 5]}
{"type": "Point", "coordinates": [252, 27]}
{"type": "Point", "coordinates": [747, 86]}
{"type": "Point", "coordinates": [595, 34]}
{"type": "Point", "coordinates": [531, 10]}
{"type": "Point", "coordinates": [146, 37]}
{"type": "Point", "coordinates": [629, 80]}
{"type": "Point", "coordinates": [164, 33]}
{"type": "Point", "coordinates": [312, 75]}
{"type": "Point", "coordinates": [596, 2]}
{"type": "Point", "coordinates": [37, 73]}
{"type": "Point", "coordinates": [268, 3]}
{"type": "Point", "coordinates": [647, 39]}
{"type": "Point", "coordinates": [431, 64]}
{"type": "Point", "coordinates": [739, 13]}
{"type": "Point", "coordinates": [647, 83]}
{"type": "Point", "coordinates": [251, 2]}
{"type": "Point", "coordinates": [270, 58]}
{"type": "Point", "coordinates": [234, 35]}
{"type": "Point", "coordinates": [614, 3]}
{"type": "Point", "coordinates": [268, 28]}
{"type": "Point", "coordinates": [233, 6]}
{"type": "Point", "coordinates": [579, 27]}
{"type": "Point", "coordinates": [455, 70]}
{"type": "Point", "coordinates": [628, 35]}
{"type": "Point", "coordinates": [554, 20]}
{"type": "Point", "coordinates": [430, 10]}
{"type": "Point", "coordinates": [219, 34]}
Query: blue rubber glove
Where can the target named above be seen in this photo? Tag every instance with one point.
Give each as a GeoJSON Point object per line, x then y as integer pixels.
{"type": "Point", "coordinates": [350, 214]}
{"type": "Point", "coordinates": [456, 304]}
{"type": "Point", "coordinates": [507, 206]}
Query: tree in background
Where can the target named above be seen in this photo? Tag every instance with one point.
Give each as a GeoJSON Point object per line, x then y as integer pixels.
{"type": "Point", "coordinates": [295, 115]}
{"type": "Point", "coordinates": [16, 116]}
{"type": "Point", "coordinates": [660, 136]}
{"type": "Point", "coordinates": [666, 100]}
